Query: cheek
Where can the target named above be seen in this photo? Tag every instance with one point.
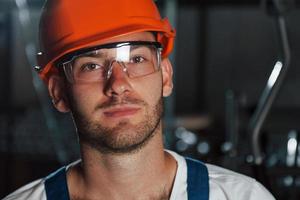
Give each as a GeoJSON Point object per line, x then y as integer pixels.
{"type": "Point", "coordinates": [85, 98]}
{"type": "Point", "coordinates": [150, 91]}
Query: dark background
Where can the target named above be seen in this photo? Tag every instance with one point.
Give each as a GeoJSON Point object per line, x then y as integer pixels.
{"type": "Point", "coordinates": [224, 50]}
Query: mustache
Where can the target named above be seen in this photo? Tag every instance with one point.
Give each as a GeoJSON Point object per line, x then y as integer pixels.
{"type": "Point", "coordinates": [120, 101]}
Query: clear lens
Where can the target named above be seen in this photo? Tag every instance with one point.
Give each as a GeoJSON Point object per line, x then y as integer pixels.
{"type": "Point", "coordinates": [136, 60]}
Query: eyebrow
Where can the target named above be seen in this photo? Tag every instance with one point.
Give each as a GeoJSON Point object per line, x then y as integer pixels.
{"type": "Point", "coordinates": [137, 47]}
{"type": "Point", "coordinates": [97, 53]}
{"type": "Point", "coordinates": [93, 54]}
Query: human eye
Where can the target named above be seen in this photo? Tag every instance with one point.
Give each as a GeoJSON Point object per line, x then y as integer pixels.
{"type": "Point", "coordinates": [88, 67]}
{"type": "Point", "coordinates": [137, 59]}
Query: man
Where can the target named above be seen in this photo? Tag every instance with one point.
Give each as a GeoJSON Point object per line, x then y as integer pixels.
{"type": "Point", "coordinates": [106, 63]}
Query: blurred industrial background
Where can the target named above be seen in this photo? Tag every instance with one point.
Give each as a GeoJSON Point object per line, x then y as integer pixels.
{"type": "Point", "coordinates": [236, 101]}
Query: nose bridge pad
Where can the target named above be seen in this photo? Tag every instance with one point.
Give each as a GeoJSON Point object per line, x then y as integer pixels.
{"type": "Point", "coordinates": [110, 70]}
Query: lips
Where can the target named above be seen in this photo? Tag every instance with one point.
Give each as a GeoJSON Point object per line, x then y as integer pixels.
{"type": "Point", "coordinates": [121, 111]}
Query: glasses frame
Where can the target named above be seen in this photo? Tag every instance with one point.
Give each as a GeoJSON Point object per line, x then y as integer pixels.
{"type": "Point", "coordinates": [69, 57]}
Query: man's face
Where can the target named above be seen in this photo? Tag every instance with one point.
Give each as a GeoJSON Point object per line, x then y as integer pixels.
{"type": "Point", "coordinates": [122, 114]}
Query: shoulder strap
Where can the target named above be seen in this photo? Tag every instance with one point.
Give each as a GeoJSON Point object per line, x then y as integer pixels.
{"type": "Point", "coordinates": [197, 180]}
{"type": "Point", "coordinates": [56, 185]}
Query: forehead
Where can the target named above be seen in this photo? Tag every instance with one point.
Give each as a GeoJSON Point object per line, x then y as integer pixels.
{"type": "Point", "coordinates": [139, 36]}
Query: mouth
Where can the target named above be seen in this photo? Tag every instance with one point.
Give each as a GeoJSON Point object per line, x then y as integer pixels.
{"type": "Point", "coordinates": [122, 111]}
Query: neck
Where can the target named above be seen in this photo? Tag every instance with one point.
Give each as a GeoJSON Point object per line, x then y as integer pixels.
{"type": "Point", "coordinates": [145, 172]}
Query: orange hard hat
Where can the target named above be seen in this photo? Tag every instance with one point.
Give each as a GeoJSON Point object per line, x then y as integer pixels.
{"type": "Point", "coordinates": [70, 25]}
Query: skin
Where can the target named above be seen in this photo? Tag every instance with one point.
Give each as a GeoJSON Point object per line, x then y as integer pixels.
{"type": "Point", "coordinates": [134, 164]}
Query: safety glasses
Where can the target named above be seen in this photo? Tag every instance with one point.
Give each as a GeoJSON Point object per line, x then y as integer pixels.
{"type": "Point", "coordinates": [136, 58]}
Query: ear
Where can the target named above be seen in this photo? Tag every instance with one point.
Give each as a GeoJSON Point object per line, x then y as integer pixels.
{"type": "Point", "coordinates": [167, 75]}
{"type": "Point", "coordinates": [56, 88]}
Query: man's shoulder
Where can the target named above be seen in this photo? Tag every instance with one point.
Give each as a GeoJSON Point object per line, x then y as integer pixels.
{"type": "Point", "coordinates": [32, 191]}
{"type": "Point", "coordinates": [226, 183]}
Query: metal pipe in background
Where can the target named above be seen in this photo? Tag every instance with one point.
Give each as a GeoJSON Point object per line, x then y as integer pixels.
{"type": "Point", "coordinates": [231, 124]}
{"type": "Point", "coordinates": [275, 80]}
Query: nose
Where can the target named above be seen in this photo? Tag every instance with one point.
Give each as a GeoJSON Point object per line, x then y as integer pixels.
{"type": "Point", "coordinates": [118, 81]}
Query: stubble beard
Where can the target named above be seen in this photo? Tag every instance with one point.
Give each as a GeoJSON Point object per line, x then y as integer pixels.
{"type": "Point", "coordinates": [124, 137]}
